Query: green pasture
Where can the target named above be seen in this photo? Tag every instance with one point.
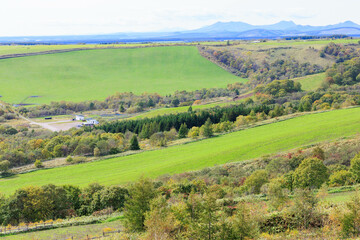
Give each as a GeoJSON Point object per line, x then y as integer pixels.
{"type": "Point", "coordinates": [236, 146]}
{"type": "Point", "coordinates": [311, 82]}
{"type": "Point", "coordinates": [167, 111]}
{"type": "Point", "coordinates": [95, 74]}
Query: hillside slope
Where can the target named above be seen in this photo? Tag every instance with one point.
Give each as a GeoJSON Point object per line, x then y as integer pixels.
{"type": "Point", "coordinates": [237, 146]}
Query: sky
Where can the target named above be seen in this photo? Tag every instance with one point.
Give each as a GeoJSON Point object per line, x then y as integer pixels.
{"type": "Point", "coordinates": [77, 17]}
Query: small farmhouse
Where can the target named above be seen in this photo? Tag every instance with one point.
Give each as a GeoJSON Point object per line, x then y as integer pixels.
{"type": "Point", "coordinates": [91, 121]}
{"type": "Point", "coordinates": [79, 117]}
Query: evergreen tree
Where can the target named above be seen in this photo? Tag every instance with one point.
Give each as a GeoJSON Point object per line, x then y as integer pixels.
{"type": "Point", "coordinates": [145, 131]}
{"type": "Point", "coordinates": [207, 129]}
{"type": "Point", "coordinates": [208, 218]}
{"type": "Point", "coordinates": [190, 109]}
{"type": "Point", "coordinates": [307, 106]}
{"type": "Point", "coordinates": [183, 131]}
{"type": "Point", "coordinates": [134, 144]}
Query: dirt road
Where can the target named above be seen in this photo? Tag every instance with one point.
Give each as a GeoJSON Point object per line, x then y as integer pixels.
{"type": "Point", "coordinates": [53, 126]}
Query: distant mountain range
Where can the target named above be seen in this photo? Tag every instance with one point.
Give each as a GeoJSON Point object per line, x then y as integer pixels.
{"type": "Point", "coordinates": [217, 31]}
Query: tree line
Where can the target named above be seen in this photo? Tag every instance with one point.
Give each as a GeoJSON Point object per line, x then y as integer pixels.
{"type": "Point", "coordinates": [129, 102]}
{"type": "Point", "coordinates": [190, 118]}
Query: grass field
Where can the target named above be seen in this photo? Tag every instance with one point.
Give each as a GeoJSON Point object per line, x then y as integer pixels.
{"type": "Point", "coordinates": [166, 111]}
{"type": "Point", "coordinates": [237, 146]}
{"type": "Point", "coordinates": [96, 74]}
{"type": "Point", "coordinates": [311, 82]}
{"type": "Point", "coordinates": [16, 49]}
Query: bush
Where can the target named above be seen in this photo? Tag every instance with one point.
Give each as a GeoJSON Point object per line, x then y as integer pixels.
{"type": "Point", "coordinates": [341, 178]}
{"type": "Point", "coordinates": [255, 181]}
{"type": "Point", "coordinates": [355, 167]}
{"type": "Point", "coordinates": [350, 222]}
{"type": "Point", "coordinates": [4, 166]}
{"type": "Point", "coordinates": [75, 160]}
{"type": "Point", "coordinates": [38, 163]}
{"type": "Point", "coordinates": [69, 159]}
{"type": "Point", "coordinates": [194, 132]}
{"type": "Point", "coordinates": [97, 152]}
{"type": "Point", "coordinates": [79, 159]}
{"type": "Point", "coordinates": [158, 139]}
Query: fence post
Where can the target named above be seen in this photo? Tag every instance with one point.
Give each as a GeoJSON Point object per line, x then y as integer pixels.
{"type": "Point", "coordinates": [103, 234]}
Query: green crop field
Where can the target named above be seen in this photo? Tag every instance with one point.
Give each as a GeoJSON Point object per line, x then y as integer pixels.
{"type": "Point", "coordinates": [96, 74]}
{"type": "Point", "coordinates": [237, 146]}
{"type": "Point", "coordinates": [311, 82]}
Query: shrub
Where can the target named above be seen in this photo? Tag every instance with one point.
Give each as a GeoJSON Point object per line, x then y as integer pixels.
{"type": "Point", "coordinates": [97, 152]}
{"type": "Point", "coordinates": [194, 132]}
{"type": "Point", "coordinates": [79, 159]}
{"type": "Point", "coordinates": [69, 159]}
{"type": "Point", "coordinates": [38, 163]}
{"type": "Point", "coordinates": [311, 173]}
{"type": "Point", "coordinates": [158, 139]}
{"type": "Point", "coordinates": [75, 160]}
{"type": "Point", "coordinates": [350, 222]}
{"type": "Point", "coordinates": [303, 212]}
{"type": "Point", "coordinates": [255, 181]}
{"type": "Point", "coordinates": [276, 194]}
{"type": "Point", "coordinates": [355, 167]}
{"type": "Point", "coordinates": [341, 178]}
{"type": "Point", "coordinates": [4, 166]}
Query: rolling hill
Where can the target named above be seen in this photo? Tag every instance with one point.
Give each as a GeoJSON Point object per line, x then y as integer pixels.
{"type": "Point", "coordinates": [237, 146]}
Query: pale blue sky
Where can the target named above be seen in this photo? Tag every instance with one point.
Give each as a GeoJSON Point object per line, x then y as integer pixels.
{"type": "Point", "coordinates": [59, 17]}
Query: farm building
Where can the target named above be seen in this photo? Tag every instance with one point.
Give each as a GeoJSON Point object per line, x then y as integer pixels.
{"type": "Point", "coordinates": [79, 117]}
{"type": "Point", "coordinates": [92, 121]}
